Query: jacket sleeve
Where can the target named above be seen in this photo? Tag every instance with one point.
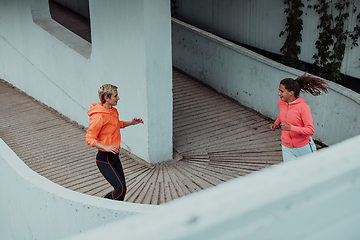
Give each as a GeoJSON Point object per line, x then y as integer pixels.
{"type": "Point", "coordinates": [121, 124]}
{"type": "Point", "coordinates": [306, 117]}
{"type": "Point", "coordinates": [277, 121]}
{"type": "Point", "coordinates": [95, 125]}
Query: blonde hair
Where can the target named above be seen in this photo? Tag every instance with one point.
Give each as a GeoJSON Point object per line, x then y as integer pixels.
{"type": "Point", "coordinates": [106, 90]}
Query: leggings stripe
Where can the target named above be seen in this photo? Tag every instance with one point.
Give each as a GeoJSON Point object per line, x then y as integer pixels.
{"type": "Point", "coordinates": [122, 188]}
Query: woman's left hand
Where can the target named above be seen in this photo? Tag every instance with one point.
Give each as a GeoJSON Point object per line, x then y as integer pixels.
{"type": "Point", "coordinates": [285, 126]}
{"type": "Point", "coordinates": [135, 121]}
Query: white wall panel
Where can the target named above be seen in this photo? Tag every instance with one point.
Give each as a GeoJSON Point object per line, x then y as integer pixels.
{"type": "Point", "coordinates": [258, 23]}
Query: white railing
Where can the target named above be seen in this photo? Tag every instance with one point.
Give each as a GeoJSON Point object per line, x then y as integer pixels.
{"type": "Point", "coordinates": [315, 197]}
{"type": "Point", "coordinates": [33, 207]}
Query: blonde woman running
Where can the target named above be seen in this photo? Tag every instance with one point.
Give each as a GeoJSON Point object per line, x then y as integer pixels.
{"type": "Point", "coordinates": [104, 134]}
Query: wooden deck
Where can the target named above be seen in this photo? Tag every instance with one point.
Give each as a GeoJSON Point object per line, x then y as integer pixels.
{"type": "Point", "coordinates": [217, 140]}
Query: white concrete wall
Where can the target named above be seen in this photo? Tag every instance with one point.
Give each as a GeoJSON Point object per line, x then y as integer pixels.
{"type": "Point", "coordinates": [131, 48]}
{"type": "Point", "coordinates": [315, 197]}
{"type": "Point", "coordinates": [253, 80]}
{"type": "Point", "coordinates": [33, 207]}
{"type": "Point", "coordinates": [258, 23]}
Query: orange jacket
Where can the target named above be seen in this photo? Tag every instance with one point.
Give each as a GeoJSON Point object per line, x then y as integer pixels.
{"type": "Point", "coordinates": [104, 126]}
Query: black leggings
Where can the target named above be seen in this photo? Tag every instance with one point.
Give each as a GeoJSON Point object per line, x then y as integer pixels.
{"type": "Point", "coordinates": [110, 167]}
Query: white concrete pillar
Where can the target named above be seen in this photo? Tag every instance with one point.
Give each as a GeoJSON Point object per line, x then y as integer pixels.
{"type": "Point", "coordinates": [132, 41]}
{"type": "Point", "coordinates": [131, 48]}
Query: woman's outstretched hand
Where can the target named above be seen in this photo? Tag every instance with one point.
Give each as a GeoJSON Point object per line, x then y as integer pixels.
{"type": "Point", "coordinates": [135, 121]}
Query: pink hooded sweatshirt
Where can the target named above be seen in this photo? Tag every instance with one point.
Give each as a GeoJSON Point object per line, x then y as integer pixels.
{"type": "Point", "coordinates": [298, 115]}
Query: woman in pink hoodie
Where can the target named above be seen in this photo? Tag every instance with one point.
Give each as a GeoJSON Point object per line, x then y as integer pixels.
{"type": "Point", "coordinates": [295, 118]}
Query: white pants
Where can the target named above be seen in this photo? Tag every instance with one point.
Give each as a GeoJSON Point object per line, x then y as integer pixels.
{"type": "Point", "coordinates": [290, 154]}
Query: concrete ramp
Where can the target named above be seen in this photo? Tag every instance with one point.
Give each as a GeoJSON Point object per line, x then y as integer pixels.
{"type": "Point", "coordinates": [215, 140]}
